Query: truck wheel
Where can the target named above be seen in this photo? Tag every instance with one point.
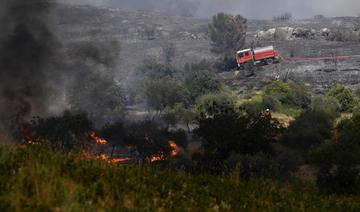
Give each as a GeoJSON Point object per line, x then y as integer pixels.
{"type": "Point", "coordinates": [269, 61]}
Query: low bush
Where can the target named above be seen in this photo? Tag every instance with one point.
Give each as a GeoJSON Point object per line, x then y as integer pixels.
{"type": "Point", "coordinates": [309, 130]}
{"type": "Point", "coordinates": [345, 96]}
{"type": "Point", "coordinates": [290, 94]}
{"type": "Point", "coordinates": [338, 168]}
{"type": "Point", "coordinates": [326, 104]}
{"type": "Point", "coordinates": [67, 132]}
{"type": "Point", "coordinates": [271, 102]}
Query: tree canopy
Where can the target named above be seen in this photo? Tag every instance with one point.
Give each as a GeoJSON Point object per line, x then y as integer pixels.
{"type": "Point", "coordinates": [227, 33]}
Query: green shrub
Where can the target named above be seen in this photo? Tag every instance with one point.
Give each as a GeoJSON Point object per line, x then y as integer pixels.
{"type": "Point", "coordinates": [232, 132]}
{"type": "Point", "coordinates": [300, 96]}
{"type": "Point", "coordinates": [326, 104]}
{"type": "Point", "coordinates": [291, 94]}
{"type": "Point", "coordinates": [345, 96]}
{"type": "Point", "coordinates": [199, 81]}
{"type": "Point", "coordinates": [253, 108]}
{"type": "Point", "coordinates": [215, 103]}
{"type": "Point", "coordinates": [339, 159]}
{"type": "Point", "coordinates": [262, 166]}
{"type": "Point", "coordinates": [309, 130]}
{"type": "Point", "coordinates": [338, 167]}
{"type": "Point", "coordinates": [271, 102]}
{"type": "Point", "coordinates": [227, 63]}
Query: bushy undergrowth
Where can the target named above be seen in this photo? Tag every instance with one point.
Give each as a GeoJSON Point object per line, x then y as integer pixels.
{"type": "Point", "coordinates": [36, 178]}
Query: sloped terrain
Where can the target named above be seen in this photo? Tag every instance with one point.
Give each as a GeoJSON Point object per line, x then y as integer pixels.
{"type": "Point", "coordinates": [142, 35]}
{"type": "Point", "coordinates": [145, 35]}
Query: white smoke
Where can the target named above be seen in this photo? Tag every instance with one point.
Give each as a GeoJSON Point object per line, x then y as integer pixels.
{"type": "Point", "coordinates": [258, 9]}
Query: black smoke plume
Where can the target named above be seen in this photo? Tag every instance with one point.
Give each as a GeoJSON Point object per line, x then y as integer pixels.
{"type": "Point", "coordinates": [26, 51]}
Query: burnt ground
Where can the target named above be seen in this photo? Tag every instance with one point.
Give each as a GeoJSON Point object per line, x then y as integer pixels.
{"type": "Point", "coordinates": [143, 35]}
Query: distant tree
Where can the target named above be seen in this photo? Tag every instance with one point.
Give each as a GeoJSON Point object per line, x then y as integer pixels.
{"type": "Point", "coordinates": [227, 33]}
{"type": "Point", "coordinates": [163, 93]}
{"type": "Point", "coordinates": [169, 52]}
{"type": "Point", "coordinates": [92, 88]}
{"type": "Point", "coordinates": [149, 32]}
{"type": "Point", "coordinates": [200, 81]}
{"type": "Point", "coordinates": [319, 17]}
{"type": "Point", "coordinates": [152, 70]}
{"type": "Point", "coordinates": [98, 96]}
{"type": "Point", "coordinates": [228, 62]}
{"type": "Point", "coordinates": [179, 113]}
{"type": "Point", "coordinates": [283, 17]}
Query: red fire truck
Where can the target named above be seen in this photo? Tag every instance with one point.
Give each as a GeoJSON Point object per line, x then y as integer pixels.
{"type": "Point", "coordinates": [266, 55]}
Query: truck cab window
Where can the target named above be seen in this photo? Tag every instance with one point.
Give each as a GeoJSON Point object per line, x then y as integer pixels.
{"type": "Point", "coordinates": [241, 55]}
{"type": "Point", "coordinates": [246, 53]}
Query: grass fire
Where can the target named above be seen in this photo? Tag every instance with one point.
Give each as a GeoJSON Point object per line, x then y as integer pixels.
{"type": "Point", "coordinates": [160, 105]}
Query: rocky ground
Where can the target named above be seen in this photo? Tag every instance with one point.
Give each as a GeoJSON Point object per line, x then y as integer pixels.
{"type": "Point", "coordinates": [145, 36]}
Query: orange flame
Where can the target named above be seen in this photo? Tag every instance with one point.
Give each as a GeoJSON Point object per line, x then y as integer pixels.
{"type": "Point", "coordinates": [98, 140]}
{"type": "Point", "coordinates": [174, 152]}
{"type": "Point", "coordinates": [174, 148]}
{"type": "Point", "coordinates": [33, 142]}
{"type": "Point", "coordinates": [155, 158]}
{"type": "Point", "coordinates": [106, 158]}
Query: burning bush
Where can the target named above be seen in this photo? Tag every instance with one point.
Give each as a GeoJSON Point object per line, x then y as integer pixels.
{"type": "Point", "coordinates": [66, 132]}
{"type": "Point", "coordinates": [151, 141]}
{"type": "Point", "coordinates": [145, 141]}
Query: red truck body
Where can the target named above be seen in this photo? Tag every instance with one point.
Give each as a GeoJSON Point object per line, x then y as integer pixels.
{"type": "Point", "coordinates": [267, 55]}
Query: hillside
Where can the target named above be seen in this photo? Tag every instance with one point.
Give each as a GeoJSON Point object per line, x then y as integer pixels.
{"type": "Point", "coordinates": [144, 35]}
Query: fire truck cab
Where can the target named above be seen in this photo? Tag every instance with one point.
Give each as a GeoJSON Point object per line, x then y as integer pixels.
{"type": "Point", "coordinates": [266, 55]}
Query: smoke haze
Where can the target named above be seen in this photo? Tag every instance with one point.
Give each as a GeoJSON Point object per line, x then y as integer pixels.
{"type": "Point", "coordinates": [26, 49]}
{"type": "Point", "coordinates": [39, 73]}
{"type": "Point", "coordinates": [257, 9]}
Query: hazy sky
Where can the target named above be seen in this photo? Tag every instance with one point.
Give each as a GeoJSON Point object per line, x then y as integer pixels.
{"type": "Point", "coordinates": [259, 8]}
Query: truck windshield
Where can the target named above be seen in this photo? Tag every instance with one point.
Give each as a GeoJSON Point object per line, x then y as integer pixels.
{"type": "Point", "coordinates": [241, 55]}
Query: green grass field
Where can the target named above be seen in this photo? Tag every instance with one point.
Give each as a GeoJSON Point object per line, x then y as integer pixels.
{"type": "Point", "coordinates": [36, 179]}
